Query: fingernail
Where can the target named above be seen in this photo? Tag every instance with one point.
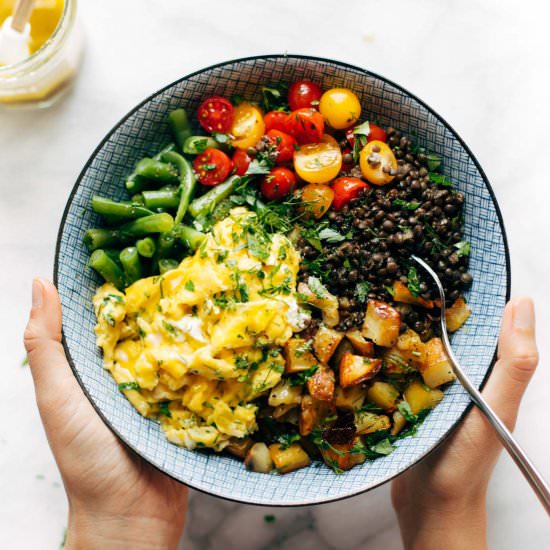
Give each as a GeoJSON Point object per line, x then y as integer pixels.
{"type": "Point", "coordinates": [524, 314]}
{"type": "Point", "coordinates": [36, 294]}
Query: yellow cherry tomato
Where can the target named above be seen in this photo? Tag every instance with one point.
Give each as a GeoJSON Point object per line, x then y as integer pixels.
{"type": "Point", "coordinates": [248, 126]}
{"type": "Point", "coordinates": [378, 163]}
{"type": "Point", "coordinates": [317, 198]}
{"type": "Point", "coordinates": [318, 162]}
{"type": "Point", "coordinates": [340, 107]}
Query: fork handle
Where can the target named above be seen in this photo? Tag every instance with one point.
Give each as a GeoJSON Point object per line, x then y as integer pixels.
{"type": "Point", "coordinates": [533, 477]}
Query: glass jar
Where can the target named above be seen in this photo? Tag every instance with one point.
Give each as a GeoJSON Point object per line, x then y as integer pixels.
{"type": "Point", "coordinates": [46, 75]}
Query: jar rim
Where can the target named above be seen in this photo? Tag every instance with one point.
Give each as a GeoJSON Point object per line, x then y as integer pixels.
{"type": "Point", "coordinates": [48, 48]}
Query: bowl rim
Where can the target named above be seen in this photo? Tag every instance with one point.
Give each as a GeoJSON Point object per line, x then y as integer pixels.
{"type": "Point", "coordinates": [276, 57]}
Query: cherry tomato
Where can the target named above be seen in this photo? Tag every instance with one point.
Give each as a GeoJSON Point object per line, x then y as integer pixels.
{"type": "Point", "coordinates": [345, 189]}
{"type": "Point", "coordinates": [285, 144]}
{"type": "Point", "coordinates": [215, 114]}
{"type": "Point", "coordinates": [302, 93]}
{"type": "Point", "coordinates": [340, 107]}
{"type": "Point", "coordinates": [376, 133]}
{"type": "Point", "coordinates": [378, 163]}
{"type": "Point", "coordinates": [275, 120]}
{"type": "Point", "coordinates": [241, 161]}
{"type": "Point", "coordinates": [318, 162]}
{"type": "Point", "coordinates": [305, 125]}
{"type": "Point", "coordinates": [248, 126]}
{"type": "Point", "coordinates": [278, 183]}
{"type": "Point", "coordinates": [317, 199]}
{"type": "Point", "coordinates": [212, 166]}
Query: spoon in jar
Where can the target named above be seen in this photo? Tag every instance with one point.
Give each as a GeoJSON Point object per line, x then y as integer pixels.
{"type": "Point", "coordinates": [538, 484]}
{"type": "Point", "coordinates": [15, 34]}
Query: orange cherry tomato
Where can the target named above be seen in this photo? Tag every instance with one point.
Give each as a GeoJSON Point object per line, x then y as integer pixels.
{"type": "Point", "coordinates": [317, 198]}
{"type": "Point", "coordinates": [318, 162]}
{"type": "Point", "coordinates": [284, 143]}
{"type": "Point", "coordinates": [278, 183]}
{"type": "Point", "coordinates": [304, 93]}
{"type": "Point", "coordinates": [305, 125]}
{"type": "Point", "coordinates": [275, 120]}
{"type": "Point", "coordinates": [378, 163]}
{"type": "Point", "coordinates": [241, 161]}
{"type": "Point", "coordinates": [212, 166]}
{"type": "Point", "coordinates": [248, 126]}
{"type": "Point", "coordinates": [340, 107]}
{"type": "Point", "coordinates": [345, 189]}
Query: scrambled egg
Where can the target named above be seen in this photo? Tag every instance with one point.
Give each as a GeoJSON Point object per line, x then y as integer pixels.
{"type": "Point", "coordinates": [195, 346]}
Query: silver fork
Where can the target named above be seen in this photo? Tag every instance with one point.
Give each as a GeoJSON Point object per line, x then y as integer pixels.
{"type": "Point", "coordinates": [538, 484]}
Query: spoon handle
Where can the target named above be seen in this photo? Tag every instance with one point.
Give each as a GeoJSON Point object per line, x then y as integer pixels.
{"type": "Point", "coordinates": [21, 14]}
{"type": "Point", "coordinates": [533, 477]}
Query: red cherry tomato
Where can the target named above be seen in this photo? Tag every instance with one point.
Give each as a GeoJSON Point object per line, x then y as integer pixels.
{"type": "Point", "coordinates": [275, 120]}
{"type": "Point", "coordinates": [215, 114]}
{"type": "Point", "coordinates": [241, 161]}
{"type": "Point", "coordinates": [306, 125]}
{"type": "Point", "coordinates": [302, 93]}
{"type": "Point", "coordinates": [212, 166]}
{"type": "Point", "coordinates": [278, 183]}
{"type": "Point", "coordinates": [346, 166]}
{"type": "Point", "coordinates": [345, 189]}
{"type": "Point", "coordinates": [376, 133]}
{"type": "Point", "coordinates": [285, 144]}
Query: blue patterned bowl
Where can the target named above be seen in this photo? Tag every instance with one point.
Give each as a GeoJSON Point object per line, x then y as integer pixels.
{"type": "Point", "coordinates": [142, 132]}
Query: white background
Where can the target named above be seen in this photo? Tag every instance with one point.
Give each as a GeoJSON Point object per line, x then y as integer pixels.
{"type": "Point", "coordinates": [483, 65]}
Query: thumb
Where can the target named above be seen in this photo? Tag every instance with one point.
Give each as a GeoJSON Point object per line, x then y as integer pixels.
{"type": "Point", "coordinates": [517, 360]}
{"type": "Point", "coordinates": [53, 379]}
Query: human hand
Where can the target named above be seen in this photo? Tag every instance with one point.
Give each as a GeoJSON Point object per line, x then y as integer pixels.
{"type": "Point", "coordinates": [116, 500]}
{"type": "Point", "coordinates": [440, 503]}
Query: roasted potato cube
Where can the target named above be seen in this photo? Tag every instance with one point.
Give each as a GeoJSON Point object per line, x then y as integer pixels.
{"type": "Point", "coordinates": [343, 347]}
{"type": "Point", "coordinates": [285, 394]}
{"type": "Point", "coordinates": [324, 300]}
{"type": "Point", "coordinates": [239, 447]}
{"type": "Point", "coordinates": [290, 459]}
{"type": "Point", "coordinates": [407, 355]}
{"type": "Point", "coordinates": [360, 345]}
{"type": "Point", "coordinates": [281, 410]}
{"type": "Point", "coordinates": [355, 369]}
{"type": "Point", "coordinates": [298, 355]}
{"type": "Point", "coordinates": [437, 369]}
{"type": "Point", "coordinates": [381, 323]}
{"type": "Point", "coordinates": [401, 293]}
{"type": "Point", "coordinates": [420, 397]}
{"type": "Point", "coordinates": [321, 385]}
{"type": "Point", "coordinates": [350, 398]}
{"type": "Point", "coordinates": [457, 314]}
{"type": "Point", "coordinates": [325, 342]}
{"type": "Point", "coordinates": [368, 422]}
{"type": "Point", "coordinates": [399, 422]}
{"type": "Point", "coordinates": [312, 413]}
{"type": "Point", "coordinates": [342, 458]}
{"type": "Point", "coordinates": [258, 459]}
{"type": "Point", "coordinates": [383, 394]}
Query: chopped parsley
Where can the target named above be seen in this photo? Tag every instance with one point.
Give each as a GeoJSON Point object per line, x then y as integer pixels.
{"type": "Point", "coordinates": [317, 287]}
{"type": "Point", "coordinates": [463, 248]}
{"type": "Point", "coordinates": [171, 329]}
{"type": "Point", "coordinates": [269, 518]}
{"type": "Point", "coordinates": [413, 205]}
{"type": "Point", "coordinates": [440, 179]}
{"type": "Point", "coordinates": [164, 410]}
{"type": "Point", "coordinates": [330, 235]}
{"type": "Point", "coordinates": [129, 386]}
{"type": "Point", "coordinates": [190, 286]}
{"type": "Point", "coordinates": [362, 290]}
{"type": "Point", "coordinates": [222, 138]}
{"type": "Point", "coordinates": [361, 133]}
{"type": "Point", "coordinates": [301, 378]}
{"type": "Point", "coordinates": [274, 97]}
{"type": "Point", "coordinates": [413, 282]}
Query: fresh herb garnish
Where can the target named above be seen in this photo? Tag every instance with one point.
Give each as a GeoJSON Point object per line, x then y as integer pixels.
{"type": "Point", "coordinates": [361, 133]}
{"type": "Point", "coordinates": [330, 235]}
{"type": "Point", "coordinates": [190, 286]}
{"type": "Point", "coordinates": [286, 440]}
{"type": "Point", "coordinates": [129, 386]}
{"type": "Point", "coordinates": [302, 377]}
{"type": "Point", "coordinates": [201, 145]}
{"type": "Point", "coordinates": [433, 161]}
{"type": "Point", "coordinates": [413, 282]}
{"type": "Point", "coordinates": [463, 248]}
{"type": "Point", "coordinates": [274, 97]}
{"type": "Point", "coordinates": [317, 287]}
{"type": "Point", "coordinates": [164, 410]}
{"type": "Point", "coordinates": [362, 290]}
{"type": "Point", "coordinates": [413, 205]}
{"type": "Point", "coordinates": [222, 138]}
{"type": "Point", "coordinates": [171, 329]}
{"type": "Point", "coordinates": [259, 167]}
{"type": "Point", "coordinates": [440, 179]}
{"type": "Point", "coordinates": [269, 518]}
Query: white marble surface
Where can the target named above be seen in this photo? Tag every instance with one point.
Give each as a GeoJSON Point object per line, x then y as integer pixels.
{"type": "Point", "coordinates": [482, 64]}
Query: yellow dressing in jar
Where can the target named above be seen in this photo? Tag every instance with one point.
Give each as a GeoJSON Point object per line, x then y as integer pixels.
{"type": "Point", "coordinates": [55, 52]}
{"type": "Point", "coordinates": [44, 19]}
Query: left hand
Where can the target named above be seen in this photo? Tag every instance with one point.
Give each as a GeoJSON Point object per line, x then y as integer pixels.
{"type": "Point", "coordinates": [116, 499]}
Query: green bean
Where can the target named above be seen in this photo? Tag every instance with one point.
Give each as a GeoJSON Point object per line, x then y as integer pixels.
{"type": "Point", "coordinates": [104, 238]}
{"type": "Point", "coordinates": [137, 199]}
{"type": "Point", "coordinates": [107, 268]}
{"type": "Point", "coordinates": [180, 126]}
{"type": "Point", "coordinates": [155, 223]}
{"type": "Point", "coordinates": [166, 264]}
{"type": "Point", "coordinates": [146, 247]}
{"type": "Point", "coordinates": [165, 244]}
{"type": "Point", "coordinates": [156, 170]}
{"type": "Point", "coordinates": [207, 202]}
{"type": "Point", "coordinates": [110, 208]}
{"type": "Point", "coordinates": [194, 145]}
{"type": "Point", "coordinates": [131, 264]}
{"type": "Point", "coordinates": [187, 180]}
{"type": "Point", "coordinates": [167, 198]}
{"type": "Point", "coordinates": [135, 183]}
{"type": "Point", "coordinates": [189, 236]}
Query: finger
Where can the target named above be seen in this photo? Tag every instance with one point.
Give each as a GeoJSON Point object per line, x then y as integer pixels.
{"type": "Point", "coordinates": [517, 360]}
{"type": "Point", "coordinates": [51, 372]}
